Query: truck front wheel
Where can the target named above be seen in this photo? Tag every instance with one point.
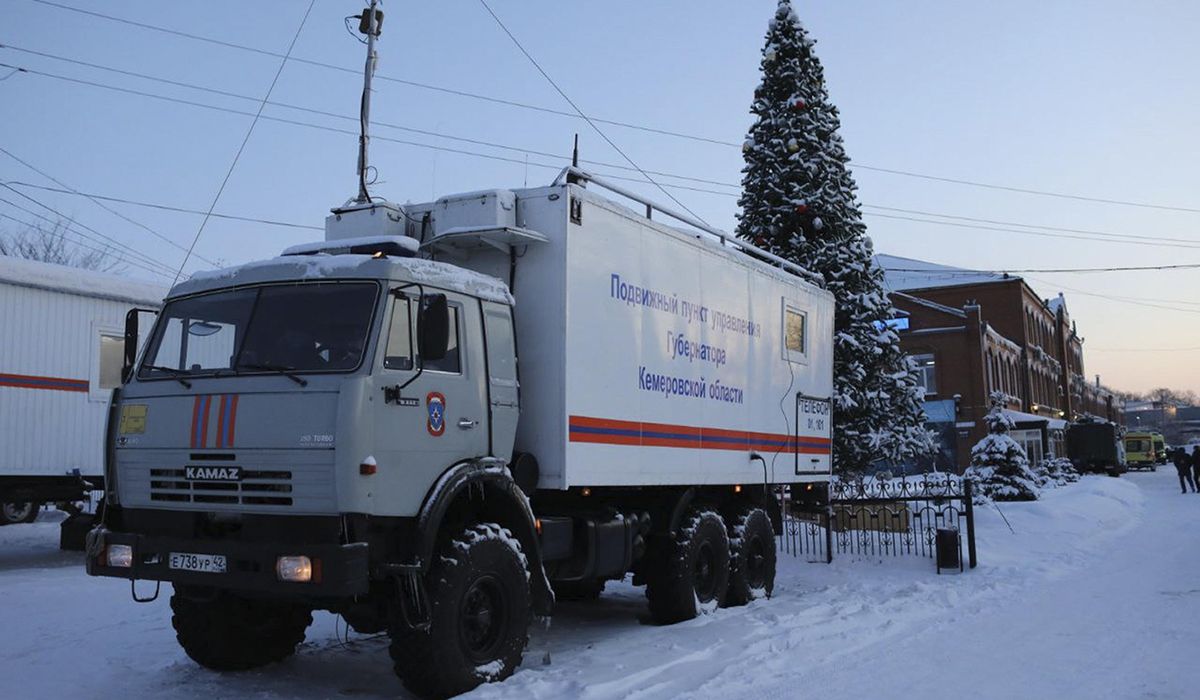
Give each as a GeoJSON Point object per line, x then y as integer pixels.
{"type": "Point", "coordinates": [226, 632]}
{"type": "Point", "coordinates": [751, 557]}
{"type": "Point", "coordinates": [689, 573]}
{"type": "Point", "coordinates": [479, 616]}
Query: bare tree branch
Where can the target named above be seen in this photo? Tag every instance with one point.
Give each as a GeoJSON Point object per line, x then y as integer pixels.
{"type": "Point", "coordinates": [48, 243]}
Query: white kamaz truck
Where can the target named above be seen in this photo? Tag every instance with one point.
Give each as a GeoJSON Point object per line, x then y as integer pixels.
{"type": "Point", "coordinates": [446, 413]}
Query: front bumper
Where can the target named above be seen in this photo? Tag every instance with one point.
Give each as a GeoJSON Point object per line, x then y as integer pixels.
{"type": "Point", "coordinates": [343, 569]}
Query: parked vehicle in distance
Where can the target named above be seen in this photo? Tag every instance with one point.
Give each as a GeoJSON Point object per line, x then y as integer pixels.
{"type": "Point", "coordinates": [1141, 452]}
{"type": "Point", "coordinates": [62, 356]}
{"type": "Point", "coordinates": [1162, 456]}
{"type": "Point", "coordinates": [1096, 446]}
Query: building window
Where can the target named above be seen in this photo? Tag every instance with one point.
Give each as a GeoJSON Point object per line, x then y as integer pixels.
{"type": "Point", "coordinates": [112, 361]}
{"type": "Point", "coordinates": [926, 370]}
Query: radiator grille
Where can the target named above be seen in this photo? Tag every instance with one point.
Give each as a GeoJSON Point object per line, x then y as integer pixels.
{"type": "Point", "coordinates": [258, 487]}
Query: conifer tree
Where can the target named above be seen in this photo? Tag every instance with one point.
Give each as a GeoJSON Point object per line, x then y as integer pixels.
{"type": "Point", "coordinates": [999, 467]}
{"type": "Point", "coordinates": [798, 201]}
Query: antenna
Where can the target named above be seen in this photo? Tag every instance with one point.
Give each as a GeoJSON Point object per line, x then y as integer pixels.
{"type": "Point", "coordinates": [371, 24]}
{"type": "Point", "coordinates": [575, 153]}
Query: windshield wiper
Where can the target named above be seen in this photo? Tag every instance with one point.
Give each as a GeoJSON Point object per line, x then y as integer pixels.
{"type": "Point", "coordinates": [176, 374]}
{"type": "Point", "coordinates": [279, 369]}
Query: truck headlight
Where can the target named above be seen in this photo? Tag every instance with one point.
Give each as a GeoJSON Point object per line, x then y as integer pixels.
{"type": "Point", "coordinates": [297, 569]}
{"type": "Point", "coordinates": [119, 555]}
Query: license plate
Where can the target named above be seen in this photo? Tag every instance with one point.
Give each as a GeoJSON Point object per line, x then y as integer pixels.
{"type": "Point", "coordinates": [207, 563]}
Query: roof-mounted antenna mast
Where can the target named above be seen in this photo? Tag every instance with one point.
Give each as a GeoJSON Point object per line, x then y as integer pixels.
{"type": "Point", "coordinates": [370, 23]}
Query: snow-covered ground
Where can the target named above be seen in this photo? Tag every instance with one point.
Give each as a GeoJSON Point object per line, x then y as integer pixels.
{"type": "Point", "coordinates": [1093, 593]}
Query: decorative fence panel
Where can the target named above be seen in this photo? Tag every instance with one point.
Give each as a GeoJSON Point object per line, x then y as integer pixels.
{"type": "Point", "coordinates": [881, 518]}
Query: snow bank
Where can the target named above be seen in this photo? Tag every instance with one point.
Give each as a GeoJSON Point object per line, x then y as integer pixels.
{"type": "Point", "coordinates": [1091, 593]}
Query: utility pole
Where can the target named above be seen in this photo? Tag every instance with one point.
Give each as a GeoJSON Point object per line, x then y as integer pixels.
{"type": "Point", "coordinates": [370, 23]}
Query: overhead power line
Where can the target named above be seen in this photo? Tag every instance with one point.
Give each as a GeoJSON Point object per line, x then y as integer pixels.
{"type": "Point", "coordinates": [245, 140]}
{"type": "Point", "coordinates": [345, 117]}
{"type": "Point", "coordinates": [1009, 271]}
{"type": "Point", "coordinates": [322, 127]}
{"type": "Point", "coordinates": [1134, 301]}
{"type": "Point", "coordinates": [401, 81]}
{"type": "Point", "coordinates": [166, 207]}
{"type": "Point", "coordinates": [1082, 234]}
{"type": "Point", "coordinates": [1192, 349]}
{"type": "Point", "coordinates": [71, 190]}
{"type": "Point", "coordinates": [105, 251]}
{"type": "Point", "coordinates": [585, 117]}
{"type": "Point", "coordinates": [92, 234]}
{"type": "Point", "coordinates": [1042, 234]}
{"type": "Point", "coordinates": [612, 122]}
{"type": "Point", "coordinates": [1089, 232]}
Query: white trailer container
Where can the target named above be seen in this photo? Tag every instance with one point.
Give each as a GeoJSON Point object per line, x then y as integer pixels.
{"type": "Point", "coordinates": [61, 357]}
{"type": "Point", "coordinates": [650, 355]}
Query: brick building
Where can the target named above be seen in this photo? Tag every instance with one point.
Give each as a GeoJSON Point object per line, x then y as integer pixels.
{"type": "Point", "coordinates": [973, 333]}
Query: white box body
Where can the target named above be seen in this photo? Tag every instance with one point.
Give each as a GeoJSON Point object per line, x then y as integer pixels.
{"type": "Point", "coordinates": [594, 350]}
{"type": "Point", "coordinates": [53, 403]}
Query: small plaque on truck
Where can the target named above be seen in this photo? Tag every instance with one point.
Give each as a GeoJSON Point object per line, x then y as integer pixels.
{"type": "Point", "coordinates": [205, 563]}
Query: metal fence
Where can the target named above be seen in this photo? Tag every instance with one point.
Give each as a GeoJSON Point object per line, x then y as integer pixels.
{"type": "Point", "coordinates": [882, 518]}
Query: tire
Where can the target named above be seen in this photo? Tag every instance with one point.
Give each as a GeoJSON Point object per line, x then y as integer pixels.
{"type": "Point", "coordinates": [19, 512]}
{"type": "Point", "coordinates": [226, 632]}
{"type": "Point", "coordinates": [689, 573]}
{"type": "Point", "coordinates": [751, 557]}
{"type": "Point", "coordinates": [583, 590]}
{"type": "Point", "coordinates": [479, 613]}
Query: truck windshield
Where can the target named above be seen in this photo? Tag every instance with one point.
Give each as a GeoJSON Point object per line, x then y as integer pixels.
{"type": "Point", "coordinates": [310, 327]}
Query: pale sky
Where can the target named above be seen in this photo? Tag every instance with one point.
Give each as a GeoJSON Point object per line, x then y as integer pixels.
{"type": "Point", "coordinates": [1092, 99]}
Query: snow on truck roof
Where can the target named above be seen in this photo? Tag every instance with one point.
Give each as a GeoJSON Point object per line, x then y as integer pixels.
{"type": "Point", "coordinates": [349, 266]}
{"type": "Point", "coordinates": [73, 280]}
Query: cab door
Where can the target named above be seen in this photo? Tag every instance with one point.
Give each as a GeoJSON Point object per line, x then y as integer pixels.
{"type": "Point", "coordinates": [503, 389]}
{"type": "Point", "coordinates": [430, 414]}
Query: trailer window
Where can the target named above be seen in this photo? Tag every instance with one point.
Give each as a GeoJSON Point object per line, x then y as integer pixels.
{"type": "Point", "coordinates": [112, 359]}
{"type": "Point", "coordinates": [795, 334]}
{"type": "Point", "coordinates": [399, 352]}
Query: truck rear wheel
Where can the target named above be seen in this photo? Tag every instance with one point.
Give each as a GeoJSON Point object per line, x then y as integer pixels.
{"type": "Point", "coordinates": [751, 557]}
{"type": "Point", "coordinates": [479, 616]}
{"type": "Point", "coordinates": [226, 632]}
{"type": "Point", "coordinates": [21, 512]}
{"type": "Point", "coordinates": [689, 573]}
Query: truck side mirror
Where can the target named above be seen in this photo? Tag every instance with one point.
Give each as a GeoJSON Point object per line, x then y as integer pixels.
{"type": "Point", "coordinates": [131, 341]}
{"type": "Point", "coordinates": [433, 327]}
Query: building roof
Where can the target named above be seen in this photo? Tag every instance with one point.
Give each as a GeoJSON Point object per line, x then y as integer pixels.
{"type": "Point", "coordinates": [949, 310]}
{"type": "Point", "coordinates": [73, 280]}
{"type": "Point", "coordinates": [907, 273]}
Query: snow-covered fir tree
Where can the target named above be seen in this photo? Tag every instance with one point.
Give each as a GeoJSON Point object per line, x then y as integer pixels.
{"type": "Point", "coordinates": [999, 467]}
{"type": "Point", "coordinates": [1057, 471]}
{"type": "Point", "coordinates": [798, 201]}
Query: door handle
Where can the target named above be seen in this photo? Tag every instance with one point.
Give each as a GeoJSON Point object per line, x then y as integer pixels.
{"type": "Point", "coordinates": [467, 423]}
